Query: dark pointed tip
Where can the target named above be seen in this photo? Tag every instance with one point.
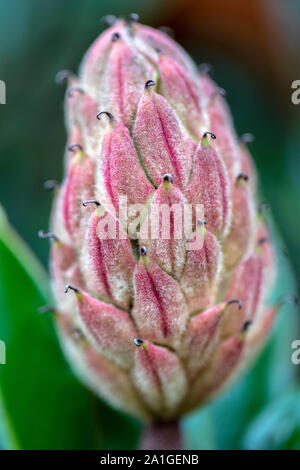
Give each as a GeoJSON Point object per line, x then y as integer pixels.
{"type": "Point", "coordinates": [73, 90]}
{"type": "Point", "coordinates": [143, 251]}
{"type": "Point", "coordinates": [205, 68]}
{"type": "Point", "coordinates": [133, 18]}
{"type": "Point", "coordinates": [246, 326]}
{"type": "Point", "coordinates": [115, 37]}
{"type": "Point", "coordinates": [235, 301]}
{"type": "Point", "coordinates": [221, 92]}
{"type": "Point", "coordinates": [74, 147]}
{"type": "Point", "coordinates": [43, 234]}
{"type": "Point", "coordinates": [149, 83]}
{"type": "Point", "coordinates": [77, 334]}
{"type": "Point", "coordinates": [207, 133]}
{"type": "Point", "coordinates": [68, 287]}
{"type": "Point", "coordinates": [91, 201]}
{"type": "Point", "coordinates": [218, 92]}
{"type": "Point", "coordinates": [242, 176]}
{"type": "Point", "coordinates": [50, 184]}
{"type": "Point", "coordinates": [167, 178]}
{"type": "Point", "coordinates": [108, 20]}
{"type": "Point", "coordinates": [138, 342]}
{"type": "Point", "coordinates": [247, 138]}
{"type": "Point", "coordinates": [263, 240]}
{"type": "Point", "coordinates": [64, 75]}
{"type": "Point", "coordinates": [108, 114]}
{"type": "Point", "coordinates": [201, 222]}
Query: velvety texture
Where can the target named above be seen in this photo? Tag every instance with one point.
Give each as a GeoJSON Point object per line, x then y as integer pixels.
{"type": "Point", "coordinates": [163, 135]}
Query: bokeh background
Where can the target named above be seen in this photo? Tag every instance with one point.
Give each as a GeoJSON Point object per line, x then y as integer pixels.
{"type": "Point", "coordinates": [253, 48]}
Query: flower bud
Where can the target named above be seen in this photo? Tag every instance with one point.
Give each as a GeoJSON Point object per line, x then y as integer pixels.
{"type": "Point", "coordinates": [157, 238]}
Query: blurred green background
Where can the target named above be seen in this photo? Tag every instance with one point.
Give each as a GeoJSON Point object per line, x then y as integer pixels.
{"type": "Point", "coordinates": [252, 47]}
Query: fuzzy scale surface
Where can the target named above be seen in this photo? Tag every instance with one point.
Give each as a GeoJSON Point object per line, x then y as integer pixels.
{"type": "Point", "coordinates": [154, 328]}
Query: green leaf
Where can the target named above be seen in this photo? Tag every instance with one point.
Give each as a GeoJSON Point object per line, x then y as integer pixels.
{"type": "Point", "coordinates": [43, 406]}
{"type": "Point", "coordinates": [278, 426]}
